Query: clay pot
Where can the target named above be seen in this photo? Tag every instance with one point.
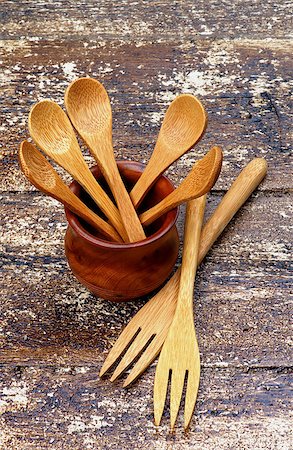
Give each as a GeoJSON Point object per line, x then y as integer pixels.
{"type": "Point", "coordinates": [120, 272]}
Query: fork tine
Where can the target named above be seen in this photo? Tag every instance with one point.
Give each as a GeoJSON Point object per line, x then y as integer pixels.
{"type": "Point", "coordinates": [160, 389]}
{"type": "Point", "coordinates": [133, 351]}
{"type": "Point", "coordinates": [191, 393]}
{"type": "Point", "coordinates": [177, 383]}
{"type": "Point", "coordinates": [146, 358]}
{"type": "Point", "coordinates": [122, 342]}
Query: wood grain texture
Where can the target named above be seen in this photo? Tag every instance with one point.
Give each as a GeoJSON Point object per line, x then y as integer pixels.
{"type": "Point", "coordinates": [156, 21]}
{"type": "Point", "coordinates": [242, 332]}
{"type": "Point", "coordinates": [237, 58]}
{"type": "Point", "coordinates": [248, 409]}
{"type": "Point", "coordinates": [244, 86]}
{"type": "Point", "coordinates": [54, 334]}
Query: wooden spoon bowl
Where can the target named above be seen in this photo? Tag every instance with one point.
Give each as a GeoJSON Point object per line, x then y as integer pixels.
{"type": "Point", "coordinates": [89, 109]}
{"type": "Point", "coordinates": [120, 272]}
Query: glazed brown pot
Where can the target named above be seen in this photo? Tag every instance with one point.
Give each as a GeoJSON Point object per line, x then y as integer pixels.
{"type": "Point", "coordinates": [120, 272]}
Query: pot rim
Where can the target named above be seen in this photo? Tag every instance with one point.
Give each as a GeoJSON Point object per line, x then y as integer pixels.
{"type": "Point", "coordinates": [74, 221]}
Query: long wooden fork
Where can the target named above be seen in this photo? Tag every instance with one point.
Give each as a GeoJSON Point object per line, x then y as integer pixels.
{"type": "Point", "coordinates": [147, 330]}
{"type": "Point", "coordinates": [179, 357]}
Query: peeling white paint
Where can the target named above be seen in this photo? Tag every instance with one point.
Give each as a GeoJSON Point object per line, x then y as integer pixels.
{"type": "Point", "coordinates": [155, 117]}
{"type": "Point", "coordinates": [107, 403]}
{"type": "Point", "coordinates": [197, 82]}
{"type": "Point", "coordinates": [258, 86]}
{"type": "Point", "coordinates": [221, 53]}
{"type": "Point", "coordinates": [219, 61]}
{"type": "Point", "coordinates": [14, 397]}
{"type": "Point", "coordinates": [12, 45]}
{"type": "Point", "coordinates": [6, 77]}
{"type": "Point", "coordinates": [82, 370]}
{"type": "Point", "coordinates": [102, 70]}
{"type": "Point", "coordinates": [69, 69]}
{"type": "Point", "coordinates": [78, 425]}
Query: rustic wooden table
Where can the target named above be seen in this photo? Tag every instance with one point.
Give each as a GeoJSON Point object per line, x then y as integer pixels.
{"type": "Point", "coordinates": [54, 335]}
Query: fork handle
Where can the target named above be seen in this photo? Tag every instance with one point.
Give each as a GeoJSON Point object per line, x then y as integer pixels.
{"type": "Point", "coordinates": [246, 182]}
{"type": "Point", "coordinates": [192, 231]}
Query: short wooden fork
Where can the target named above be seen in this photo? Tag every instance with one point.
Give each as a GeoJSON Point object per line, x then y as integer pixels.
{"type": "Point", "coordinates": [179, 356]}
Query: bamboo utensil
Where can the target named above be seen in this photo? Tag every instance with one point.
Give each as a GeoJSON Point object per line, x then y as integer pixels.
{"type": "Point", "coordinates": [184, 124]}
{"type": "Point", "coordinates": [41, 174]}
{"type": "Point", "coordinates": [180, 354]}
{"type": "Point", "coordinates": [89, 109]}
{"type": "Point", "coordinates": [145, 334]}
{"type": "Point", "coordinates": [51, 129]}
{"type": "Point", "coordinates": [198, 182]}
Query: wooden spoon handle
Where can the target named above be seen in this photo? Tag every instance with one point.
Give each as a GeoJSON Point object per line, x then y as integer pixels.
{"type": "Point", "coordinates": [72, 202]}
{"type": "Point", "coordinates": [52, 131]}
{"type": "Point", "coordinates": [145, 181]}
{"type": "Point", "coordinates": [198, 182]}
{"type": "Point", "coordinates": [44, 177]}
{"type": "Point", "coordinates": [100, 197]}
{"type": "Point", "coordinates": [184, 123]}
{"type": "Point", "coordinates": [244, 185]}
{"type": "Point", "coordinates": [129, 217]}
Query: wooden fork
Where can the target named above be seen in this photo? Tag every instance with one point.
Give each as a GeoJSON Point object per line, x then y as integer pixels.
{"type": "Point", "coordinates": [179, 357]}
{"type": "Point", "coordinates": [147, 330]}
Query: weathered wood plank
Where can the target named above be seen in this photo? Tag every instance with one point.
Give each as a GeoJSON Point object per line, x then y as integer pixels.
{"type": "Point", "coordinates": [33, 225]}
{"type": "Point", "coordinates": [69, 407]}
{"type": "Point", "coordinates": [241, 300]}
{"type": "Point", "coordinates": [54, 335]}
{"type": "Point", "coordinates": [151, 21]}
{"type": "Point", "coordinates": [245, 87]}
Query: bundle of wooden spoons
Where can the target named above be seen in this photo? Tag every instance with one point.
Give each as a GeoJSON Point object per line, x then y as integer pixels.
{"type": "Point", "coordinates": [89, 110]}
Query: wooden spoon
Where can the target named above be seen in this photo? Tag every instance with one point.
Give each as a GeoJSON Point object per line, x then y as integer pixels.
{"type": "Point", "coordinates": [184, 124]}
{"type": "Point", "coordinates": [89, 109]}
{"type": "Point", "coordinates": [199, 181]}
{"type": "Point", "coordinates": [52, 131]}
{"type": "Point", "coordinates": [41, 174]}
